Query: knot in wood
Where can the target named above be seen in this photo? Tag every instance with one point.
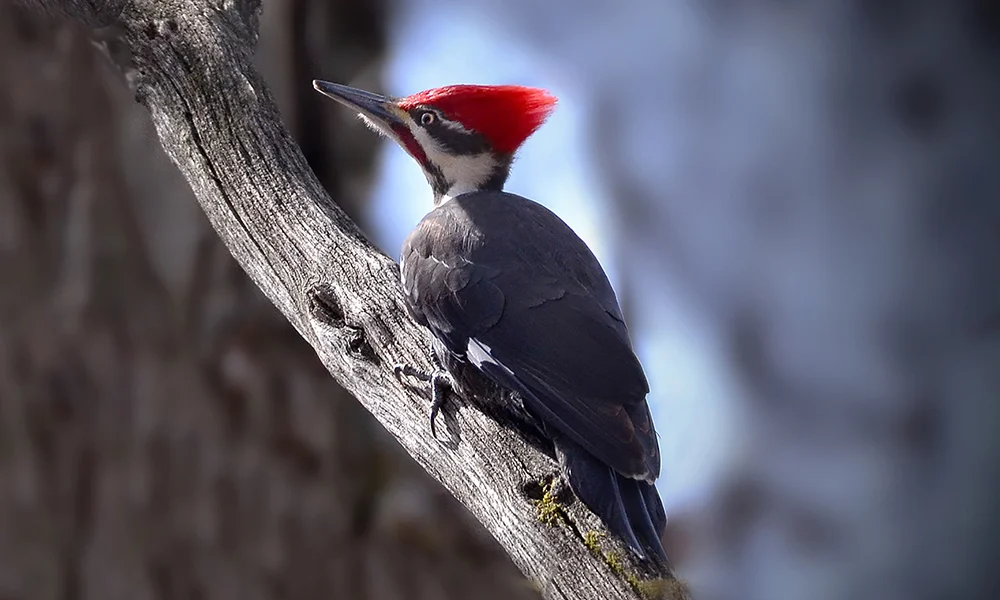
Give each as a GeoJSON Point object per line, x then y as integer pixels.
{"type": "Point", "coordinates": [325, 307]}
{"type": "Point", "coordinates": [358, 346]}
{"type": "Point", "coordinates": [160, 28]}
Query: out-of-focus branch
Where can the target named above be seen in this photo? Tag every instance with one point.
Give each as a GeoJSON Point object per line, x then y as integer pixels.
{"type": "Point", "coordinates": [218, 123]}
{"type": "Point", "coordinates": [96, 13]}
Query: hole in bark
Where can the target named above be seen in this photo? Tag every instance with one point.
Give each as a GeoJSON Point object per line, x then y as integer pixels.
{"type": "Point", "coordinates": [166, 28]}
{"type": "Point", "coordinates": [358, 346]}
{"type": "Point", "coordinates": [533, 490]}
{"type": "Point", "coordinates": [324, 306]}
{"type": "Point", "coordinates": [160, 28]}
{"type": "Point", "coordinates": [558, 489]}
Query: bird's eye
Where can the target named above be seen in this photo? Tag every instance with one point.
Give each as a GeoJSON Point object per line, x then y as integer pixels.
{"type": "Point", "coordinates": [427, 118]}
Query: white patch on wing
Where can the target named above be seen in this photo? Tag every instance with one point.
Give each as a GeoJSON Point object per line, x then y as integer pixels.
{"type": "Point", "coordinates": [433, 258]}
{"type": "Point", "coordinates": [479, 353]}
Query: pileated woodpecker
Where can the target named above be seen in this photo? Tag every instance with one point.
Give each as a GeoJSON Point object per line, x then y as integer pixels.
{"type": "Point", "coordinates": [507, 288]}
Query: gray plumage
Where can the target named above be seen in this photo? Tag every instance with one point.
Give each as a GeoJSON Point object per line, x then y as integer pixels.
{"type": "Point", "coordinates": [505, 285]}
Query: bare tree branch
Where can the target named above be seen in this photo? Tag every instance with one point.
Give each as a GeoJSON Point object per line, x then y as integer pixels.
{"type": "Point", "coordinates": [218, 123]}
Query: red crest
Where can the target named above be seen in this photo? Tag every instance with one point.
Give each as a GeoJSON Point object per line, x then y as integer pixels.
{"type": "Point", "coordinates": [505, 114]}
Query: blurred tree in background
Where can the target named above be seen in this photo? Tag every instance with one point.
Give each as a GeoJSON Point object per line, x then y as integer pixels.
{"type": "Point", "coordinates": [164, 432]}
{"type": "Point", "coordinates": [817, 185]}
{"type": "Point", "coordinates": [813, 185]}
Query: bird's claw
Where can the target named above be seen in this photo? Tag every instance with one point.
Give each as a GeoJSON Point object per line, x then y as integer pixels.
{"type": "Point", "coordinates": [401, 370]}
{"type": "Point", "coordinates": [440, 386]}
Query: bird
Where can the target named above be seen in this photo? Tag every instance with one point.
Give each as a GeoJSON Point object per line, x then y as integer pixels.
{"type": "Point", "coordinates": [510, 292]}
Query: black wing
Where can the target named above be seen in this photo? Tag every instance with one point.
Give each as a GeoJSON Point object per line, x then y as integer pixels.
{"type": "Point", "coordinates": [505, 282]}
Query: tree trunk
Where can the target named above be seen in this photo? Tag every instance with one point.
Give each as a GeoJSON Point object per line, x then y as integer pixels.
{"type": "Point", "coordinates": [164, 432]}
{"type": "Point", "coordinates": [217, 472]}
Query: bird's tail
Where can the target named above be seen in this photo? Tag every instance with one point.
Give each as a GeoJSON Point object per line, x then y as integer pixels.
{"type": "Point", "coordinates": [631, 509]}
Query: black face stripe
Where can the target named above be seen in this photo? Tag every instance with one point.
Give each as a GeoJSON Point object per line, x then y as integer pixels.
{"type": "Point", "coordinates": [457, 142]}
{"type": "Point", "coordinates": [439, 184]}
{"type": "Point", "coordinates": [451, 139]}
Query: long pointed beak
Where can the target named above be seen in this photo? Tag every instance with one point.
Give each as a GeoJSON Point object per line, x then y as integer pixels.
{"type": "Point", "coordinates": [375, 107]}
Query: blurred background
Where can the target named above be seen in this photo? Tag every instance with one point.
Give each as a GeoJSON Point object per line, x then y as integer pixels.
{"type": "Point", "coordinates": [798, 203]}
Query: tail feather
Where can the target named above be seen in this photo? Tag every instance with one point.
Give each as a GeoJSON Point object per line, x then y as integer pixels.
{"type": "Point", "coordinates": [631, 509]}
{"type": "Point", "coordinates": [635, 495]}
{"type": "Point", "coordinates": [655, 507]}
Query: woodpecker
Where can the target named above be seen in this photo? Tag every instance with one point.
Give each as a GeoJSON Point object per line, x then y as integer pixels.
{"type": "Point", "coordinates": [509, 291]}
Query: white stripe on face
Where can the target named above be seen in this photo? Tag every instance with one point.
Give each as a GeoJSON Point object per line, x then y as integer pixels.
{"type": "Point", "coordinates": [464, 173]}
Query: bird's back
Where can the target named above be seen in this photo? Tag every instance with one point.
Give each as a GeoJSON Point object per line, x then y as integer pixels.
{"type": "Point", "coordinates": [504, 281]}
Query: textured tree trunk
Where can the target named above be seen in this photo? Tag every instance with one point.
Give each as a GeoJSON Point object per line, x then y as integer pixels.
{"type": "Point", "coordinates": [164, 432]}
{"type": "Point", "coordinates": [217, 473]}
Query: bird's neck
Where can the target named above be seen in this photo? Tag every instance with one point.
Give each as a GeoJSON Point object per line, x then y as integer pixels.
{"type": "Point", "coordinates": [454, 175]}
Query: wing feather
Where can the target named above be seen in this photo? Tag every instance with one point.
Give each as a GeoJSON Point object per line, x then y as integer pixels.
{"type": "Point", "coordinates": [507, 276]}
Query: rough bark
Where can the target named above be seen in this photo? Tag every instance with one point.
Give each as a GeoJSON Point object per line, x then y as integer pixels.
{"type": "Point", "coordinates": [218, 123]}
{"type": "Point", "coordinates": [164, 432]}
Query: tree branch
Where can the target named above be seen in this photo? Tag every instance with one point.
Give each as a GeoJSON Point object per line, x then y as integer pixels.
{"type": "Point", "coordinates": [218, 123]}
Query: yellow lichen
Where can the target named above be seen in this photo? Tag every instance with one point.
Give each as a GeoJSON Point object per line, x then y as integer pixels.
{"type": "Point", "coordinates": [648, 589]}
{"type": "Point", "coordinates": [592, 540]}
{"type": "Point", "coordinates": [614, 560]}
{"type": "Point", "coordinates": [550, 511]}
{"type": "Point", "coordinates": [658, 589]}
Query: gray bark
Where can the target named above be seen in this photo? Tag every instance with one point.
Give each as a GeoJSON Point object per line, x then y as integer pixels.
{"type": "Point", "coordinates": [191, 66]}
{"type": "Point", "coordinates": [164, 432]}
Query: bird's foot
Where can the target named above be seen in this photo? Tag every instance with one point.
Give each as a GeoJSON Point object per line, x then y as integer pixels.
{"type": "Point", "coordinates": [402, 370]}
{"type": "Point", "coordinates": [441, 384]}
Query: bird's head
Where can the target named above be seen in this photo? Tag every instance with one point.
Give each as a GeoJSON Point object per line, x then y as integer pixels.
{"type": "Point", "coordinates": [463, 136]}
